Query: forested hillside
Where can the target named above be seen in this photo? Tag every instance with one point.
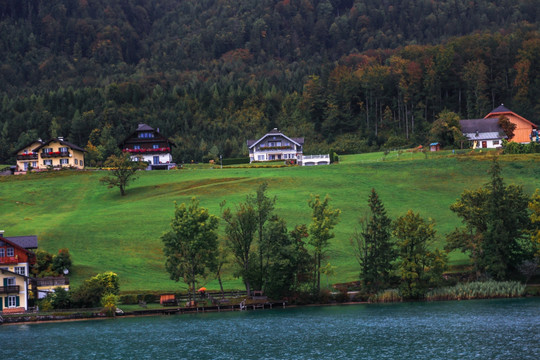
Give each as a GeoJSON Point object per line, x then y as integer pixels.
{"type": "Point", "coordinates": [352, 75]}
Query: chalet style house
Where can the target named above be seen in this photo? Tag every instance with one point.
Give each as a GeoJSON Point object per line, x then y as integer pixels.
{"type": "Point", "coordinates": [55, 153]}
{"type": "Point", "coordinates": [487, 133]}
{"type": "Point", "coordinates": [483, 133]}
{"type": "Point", "coordinates": [147, 144]}
{"type": "Point", "coordinates": [15, 261]}
{"type": "Point", "coordinates": [275, 146]}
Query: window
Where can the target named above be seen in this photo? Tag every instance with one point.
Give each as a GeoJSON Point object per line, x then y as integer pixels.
{"type": "Point", "coordinates": [26, 166]}
{"type": "Point", "coordinates": [47, 162]}
{"type": "Point", "coordinates": [260, 157]}
{"type": "Point", "coordinates": [21, 270]}
{"type": "Point", "coordinates": [64, 161]}
{"type": "Point", "coordinates": [10, 281]}
{"type": "Point", "coordinates": [76, 162]}
{"type": "Point", "coordinates": [495, 142]}
{"type": "Point", "coordinates": [155, 146]}
{"type": "Point", "coordinates": [47, 150]}
{"type": "Point", "coordinates": [146, 135]}
{"type": "Point", "coordinates": [10, 252]}
{"type": "Point", "coordinates": [63, 149]}
{"type": "Point", "coordinates": [81, 163]}
{"type": "Point", "coordinates": [136, 147]}
{"type": "Point", "coordinates": [156, 160]}
{"type": "Point", "coordinates": [34, 164]}
{"type": "Point", "coordinates": [12, 301]}
{"type": "Point", "coordinates": [2, 252]}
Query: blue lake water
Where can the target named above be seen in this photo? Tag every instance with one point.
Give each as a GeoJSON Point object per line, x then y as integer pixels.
{"type": "Point", "coordinates": [482, 329]}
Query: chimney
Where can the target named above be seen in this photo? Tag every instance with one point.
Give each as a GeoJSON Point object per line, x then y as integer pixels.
{"type": "Point", "coordinates": [61, 138]}
{"type": "Point", "coordinates": [2, 233]}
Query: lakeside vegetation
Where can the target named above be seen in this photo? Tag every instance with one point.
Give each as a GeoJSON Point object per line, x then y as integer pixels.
{"type": "Point", "coordinates": [107, 232]}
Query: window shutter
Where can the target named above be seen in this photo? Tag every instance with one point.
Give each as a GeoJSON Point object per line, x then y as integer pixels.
{"type": "Point", "coordinates": [5, 281]}
{"type": "Point", "coordinates": [6, 302]}
{"type": "Point", "coordinates": [1, 304]}
{"type": "Point", "coordinates": [17, 301]}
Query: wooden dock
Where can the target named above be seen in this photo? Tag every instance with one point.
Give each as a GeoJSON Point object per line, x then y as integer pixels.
{"type": "Point", "coordinates": [203, 309]}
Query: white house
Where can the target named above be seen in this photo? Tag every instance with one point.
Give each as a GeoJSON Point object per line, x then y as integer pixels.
{"type": "Point", "coordinates": [483, 133]}
{"type": "Point", "coordinates": [147, 144]}
{"type": "Point", "coordinates": [275, 146]}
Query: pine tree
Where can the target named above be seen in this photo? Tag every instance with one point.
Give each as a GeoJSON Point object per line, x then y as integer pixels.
{"type": "Point", "coordinates": [373, 246]}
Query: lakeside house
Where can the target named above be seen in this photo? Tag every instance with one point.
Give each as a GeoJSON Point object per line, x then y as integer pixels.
{"type": "Point", "coordinates": [16, 259]}
{"type": "Point", "coordinates": [148, 145]}
{"type": "Point", "coordinates": [275, 145]}
{"type": "Point", "coordinates": [487, 133]}
{"type": "Point", "coordinates": [55, 153]}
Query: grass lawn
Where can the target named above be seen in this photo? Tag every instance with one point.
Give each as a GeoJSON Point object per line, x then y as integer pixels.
{"type": "Point", "coordinates": [105, 231]}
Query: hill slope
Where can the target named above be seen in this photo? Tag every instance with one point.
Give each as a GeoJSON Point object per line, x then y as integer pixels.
{"type": "Point", "coordinates": [105, 231]}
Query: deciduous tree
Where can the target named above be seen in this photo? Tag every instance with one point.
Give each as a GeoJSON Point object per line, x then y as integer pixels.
{"type": "Point", "coordinates": [417, 265]}
{"type": "Point", "coordinates": [122, 171]}
{"type": "Point", "coordinates": [323, 221]}
{"type": "Point", "coordinates": [190, 246]}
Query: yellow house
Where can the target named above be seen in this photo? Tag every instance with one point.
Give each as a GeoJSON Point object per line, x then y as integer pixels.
{"type": "Point", "coordinates": [27, 158]}
{"type": "Point", "coordinates": [13, 292]}
{"type": "Point", "coordinates": [55, 153]}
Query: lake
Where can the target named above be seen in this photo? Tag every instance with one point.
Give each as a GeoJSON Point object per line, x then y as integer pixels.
{"type": "Point", "coordinates": [477, 329]}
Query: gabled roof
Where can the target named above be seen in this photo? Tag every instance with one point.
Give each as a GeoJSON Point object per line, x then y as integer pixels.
{"type": "Point", "coordinates": [146, 128]}
{"type": "Point", "coordinates": [27, 242]}
{"type": "Point", "coordinates": [14, 244]}
{"type": "Point", "coordinates": [480, 125]}
{"type": "Point", "coordinates": [274, 132]}
{"type": "Point", "coordinates": [39, 141]}
{"type": "Point", "coordinates": [11, 273]}
{"type": "Point", "coordinates": [502, 110]}
{"type": "Point", "coordinates": [61, 141]}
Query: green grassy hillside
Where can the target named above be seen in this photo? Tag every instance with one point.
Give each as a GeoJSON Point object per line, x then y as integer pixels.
{"type": "Point", "coordinates": [105, 231]}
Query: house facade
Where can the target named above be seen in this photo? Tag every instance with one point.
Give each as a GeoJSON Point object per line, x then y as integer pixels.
{"type": "Point", "coordinates": [483, 133]}
{"type": "Point", "coordinates": [15, 262]}
{"type": "Point", "coordinates": [55, 153]}
{"type": "Point", "coordinates": [148, 145]}
{"type": "Point", "coordinates": [275, 146]}
{"type": "Point", "coordinates": [524, 127]}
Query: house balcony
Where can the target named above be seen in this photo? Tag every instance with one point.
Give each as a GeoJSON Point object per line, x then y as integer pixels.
{"type": "Point", "coordinates": [30, 156]}
{"type": "Point", "coordinates": [52, 281]}
{"type": "Point", "coordinates": [148, 151]}
{"type": "Point", "coordinates": [10, 289]}
{"type": "Point", "coordinates": [9, 260]}
{"type": "Point", "coordinates": [274, 148]}
{"type": "Point", "coordinates": [55, 154]}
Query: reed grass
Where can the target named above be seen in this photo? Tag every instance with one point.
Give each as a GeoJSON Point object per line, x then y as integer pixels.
{"type": "Point", "coordinates": [478, 290]}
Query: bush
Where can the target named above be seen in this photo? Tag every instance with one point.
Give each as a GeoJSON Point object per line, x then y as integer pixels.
{"type": "Point", "coordinates": [128, 299]}
{"type": "Point", "coordinates": [61, 298]}
{"type": "Point", "coordinates": [61, 261]}
{"type": "Point", "coordinates": [91, 291]}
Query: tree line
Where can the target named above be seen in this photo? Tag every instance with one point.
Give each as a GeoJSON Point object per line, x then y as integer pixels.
{"type": "Point", "coordinates": [499, 233]}
{"type": "Point", "coordinates": [353, 76]}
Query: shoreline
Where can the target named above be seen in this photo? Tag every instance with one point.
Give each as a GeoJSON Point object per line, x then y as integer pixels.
{"type": "Point", "coordinates": [45, 319]}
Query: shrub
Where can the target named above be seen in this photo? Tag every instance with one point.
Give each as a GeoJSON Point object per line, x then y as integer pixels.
{"type": "Point", "coordinates": [61, 261]}
{"type": "Point", "coordinates": [61, 298]}
{"type": "Point", "coordinates": [91, 291]}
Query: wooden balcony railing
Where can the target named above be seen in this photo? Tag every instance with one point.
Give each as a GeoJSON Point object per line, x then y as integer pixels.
{"type": "Point", "coordinates": [52, 281]}
{"type": "Point", "coordinates": [10, 289]}
{"type": "Point", "coordinates": [27, 156]}
{"type": "Point", "coordinates": [55, 154]}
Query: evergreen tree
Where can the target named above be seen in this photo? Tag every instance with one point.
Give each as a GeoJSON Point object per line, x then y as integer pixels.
{"type": "Point", "coordinates": [373, 246]}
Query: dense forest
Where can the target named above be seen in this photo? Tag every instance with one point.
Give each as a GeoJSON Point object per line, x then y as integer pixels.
{"type": "Point", "coordinates": [349, 75]}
